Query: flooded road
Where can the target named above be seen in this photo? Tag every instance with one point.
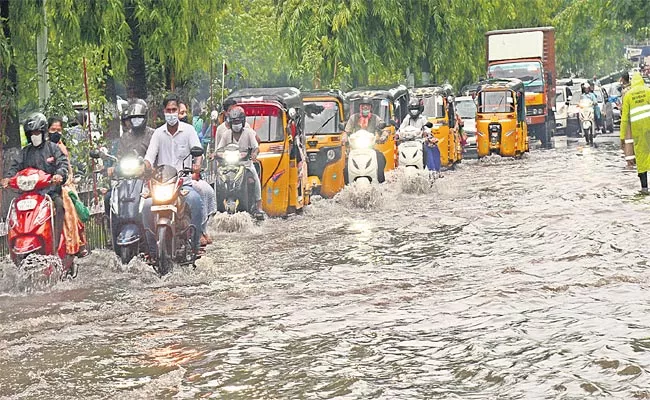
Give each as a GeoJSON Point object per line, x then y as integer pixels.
{"type": "Point", "coordinates": [510, 279]}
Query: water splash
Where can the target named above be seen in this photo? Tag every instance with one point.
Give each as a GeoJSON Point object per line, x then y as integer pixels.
{"type": "Point", "coordinates": [360, 195]}
{"type": "Point", "coordinates": [35, 273]}
{"type": "Point", "coordinates": [239, 222]}
{"type": "Point", "coordinates": [414, 181]}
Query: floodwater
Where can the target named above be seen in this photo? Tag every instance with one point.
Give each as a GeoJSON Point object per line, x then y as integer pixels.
{"type": "Point", "coordinates": [509, 279]}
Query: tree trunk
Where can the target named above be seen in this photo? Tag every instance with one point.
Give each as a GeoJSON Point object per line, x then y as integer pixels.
{"type": "Point", "coordinates": [11, 134]}
{"type": "Point", "coordinates": [111, 106]}
{"type": "Point", "coordinates": [137, 77]}
{"type": "Point", "coordinates": [426, 71]}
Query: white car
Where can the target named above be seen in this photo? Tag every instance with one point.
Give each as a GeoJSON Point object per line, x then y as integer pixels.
{"type": "Point", "coordinates": [563, 97]}
{"type": "Point", "coordinates": [466, 109]}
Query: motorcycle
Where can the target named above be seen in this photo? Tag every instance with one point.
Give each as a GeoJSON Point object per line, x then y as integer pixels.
{"type": "Point", "coordinates": [362, 159]}
{"type": "Point", "coordinates": [174, 232]}
{"type": "Point", "coordinates": [31, 221]}
{"type": "Point", "coordinates": [587, 119]}
{"type": "Point", "coordinates": [234, 184]}
{"type": "Point", "coordinates": [125, 214]}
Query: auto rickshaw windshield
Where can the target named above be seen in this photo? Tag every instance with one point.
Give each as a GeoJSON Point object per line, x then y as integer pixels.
{"type": "Point", "coordinates": [266, 120]}
{"type": "Point", "coordinates": [321, 117]}
{"type": "Point", "coordinates": [379, 107]}
{"type": "Point", "coordinates": [496, 102]}
{"type": "Point", "coordinates": [434, 107]}
{"type": "Point", "coordinates": [466, 109]}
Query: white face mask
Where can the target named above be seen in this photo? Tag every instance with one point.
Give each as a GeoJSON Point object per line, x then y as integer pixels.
{"type": "Point", "coordinates": [137, 122]}
{"type": "Point", "coordinates": [237, 128]}
{"type": "Point", "coordinates": [171, 119]}
{"type": "Point", "coordinates": [37, 140]}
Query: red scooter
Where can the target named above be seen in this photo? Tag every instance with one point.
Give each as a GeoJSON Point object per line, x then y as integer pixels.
{"type": "Point", "coordinates": [31, 221]}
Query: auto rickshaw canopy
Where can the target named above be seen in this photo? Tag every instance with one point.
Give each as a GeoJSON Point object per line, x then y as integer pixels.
{"type": "Point", "coordinates": [390, 93]}
{"type": "Point", "coordinates": [287, 97]}
{"type": "Point", "coordinates": [513, 84]}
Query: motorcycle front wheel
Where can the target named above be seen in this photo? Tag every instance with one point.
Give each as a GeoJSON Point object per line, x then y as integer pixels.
{"type": "Point", "coordinates": [126, 253]}
{"type": "Point", "coordinates": [164, 250]}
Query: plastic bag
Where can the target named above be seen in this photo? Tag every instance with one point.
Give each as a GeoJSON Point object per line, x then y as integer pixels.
{"type": "Point", "coordinates": [82, 211]}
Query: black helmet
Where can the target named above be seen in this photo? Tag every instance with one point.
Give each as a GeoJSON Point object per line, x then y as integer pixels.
{"type": "Point", "coordinates": [35, 122]}
{"type": "Point", "coordinates": [236, 119]}
{"type": "Point", "coordinates": [365, 100]}
{"type": "Point", "coordinates": [415, 107]}
{"type": "Point", "coordinates": [137, 108]}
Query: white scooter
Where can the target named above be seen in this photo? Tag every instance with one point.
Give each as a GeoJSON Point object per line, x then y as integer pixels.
{"type": "Point", "coordinates": [411, 142]}
{"type": "Point", "coordinates": [362, 159]}
{"type": "Point", "coordinates": [587, 119]}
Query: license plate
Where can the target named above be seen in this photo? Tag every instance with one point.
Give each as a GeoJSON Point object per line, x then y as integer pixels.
{"type": "Point", "coordinates": [26, 204]}
{"type": "Point", "coordinates": [164, 207]}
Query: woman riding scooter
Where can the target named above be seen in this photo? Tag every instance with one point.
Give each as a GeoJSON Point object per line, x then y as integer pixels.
{"type": "Point", "coordinates": [370, 122]}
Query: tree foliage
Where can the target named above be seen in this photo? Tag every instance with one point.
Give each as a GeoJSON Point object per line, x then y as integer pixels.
{"type": "Point", "coordinates": [153, 46]}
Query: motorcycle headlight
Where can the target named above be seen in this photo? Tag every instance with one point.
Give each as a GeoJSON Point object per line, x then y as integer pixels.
{"type": "Point", "coordinates": [163, 193]}
{"type": "Point", "coordinates": [331, 154]}
{"type": "Point", "coordinates": [231, 157]}
{"type": "Point", "coordinates": [27, 183]}
{"type": "Point", "coordinates": [131, 167]}
{"type": "Point", "coordinates": [586, 124]}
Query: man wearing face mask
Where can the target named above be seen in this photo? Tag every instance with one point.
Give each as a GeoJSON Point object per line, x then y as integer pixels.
{"type": "Point", "coordinates": [42, 154]}
{"type": "Point", "coordinates": [171, 145]}
{"type": "Point", "coordinates": [244, 137]}
{"type": "Point", "coordinates": [138, 135]}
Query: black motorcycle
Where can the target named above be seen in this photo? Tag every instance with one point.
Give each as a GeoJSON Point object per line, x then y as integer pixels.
{"type": "Point", "coordinates": [124, 215]}
{"type": "Point", "coordinates": [234, 184]}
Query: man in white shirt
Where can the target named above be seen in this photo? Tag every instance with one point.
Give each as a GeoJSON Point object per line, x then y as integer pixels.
{"type": "Point", "coordinates": [246, 139]}
{"type": "Point", "coordinates": [171, 145]}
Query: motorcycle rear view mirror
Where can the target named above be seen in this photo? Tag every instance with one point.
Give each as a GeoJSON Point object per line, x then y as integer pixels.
{"type": "Point", "coordinates": [341, 126]}
{"type": "Point", "coordinates": [428, 125]}
{"type": "Point", "coordinates": [94, 153]}
{"type": "Point", "coordinates": [381, 125]}
{"type": "Point", "coordinates": [392, 123]}
{"type": "Point", "coordinates": [196, 151]}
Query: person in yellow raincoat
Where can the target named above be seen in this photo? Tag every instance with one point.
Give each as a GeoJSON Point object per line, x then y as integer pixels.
{"type": "Point", "coordinates": [635, 117]}
{"type": "Point", "coordinates": [73, 228]}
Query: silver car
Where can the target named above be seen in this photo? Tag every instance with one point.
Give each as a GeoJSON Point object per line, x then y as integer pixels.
{"type": "Point", "coordinates": [466, 109]}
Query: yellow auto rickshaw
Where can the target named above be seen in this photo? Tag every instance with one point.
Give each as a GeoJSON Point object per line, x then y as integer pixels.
{"type": "Point", "coordinates": [324, 116]}
{"type": "Point", "coordinates": [389, 104]}
{"type": "Point", "coordinates": [440, 111]}
{"type": "Point", "coordinates": [501, 118]}
{"type": "Point", "coordinates": [277, 115]}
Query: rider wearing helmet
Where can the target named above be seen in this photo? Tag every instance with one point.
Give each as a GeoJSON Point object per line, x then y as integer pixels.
{"type": "Point", "coordinates": [587, 91]}
{"type": "Point", "coordinates": [222, 128]}
{"type": "Point", "coordinates": [240, 133]}
{"type": "Point", "coordinates": [137, 134]}
{"type": "Point", "coordinates": [415, 117]}
{"type": "Point", "coordinates": [42, 154]}
{"type": "Point", "coordinates": [370, 122]}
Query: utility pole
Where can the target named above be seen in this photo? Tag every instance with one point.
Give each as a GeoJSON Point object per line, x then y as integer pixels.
{"type": "Point", "coordinates": [41, 59]}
